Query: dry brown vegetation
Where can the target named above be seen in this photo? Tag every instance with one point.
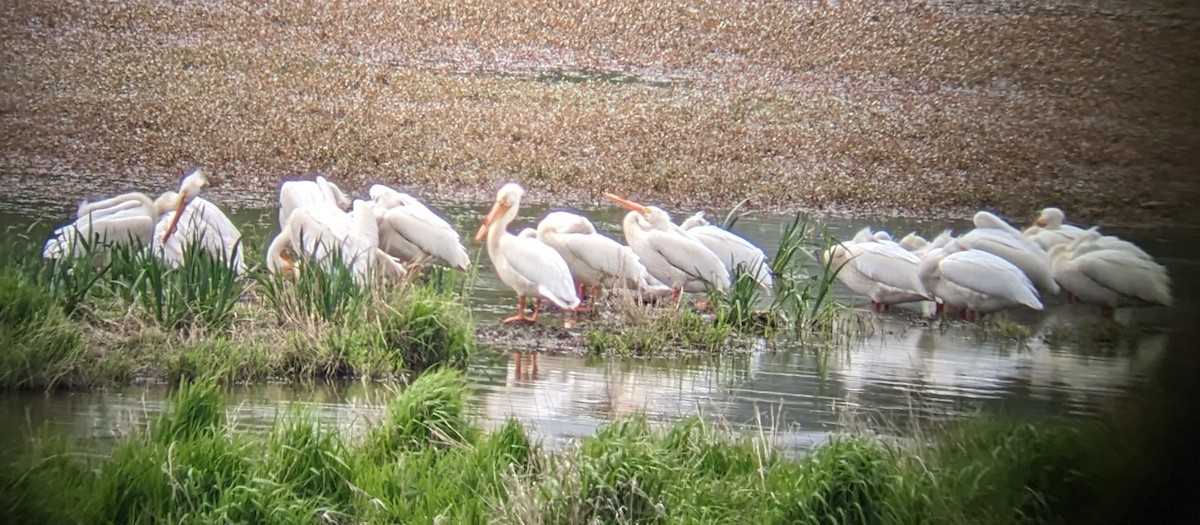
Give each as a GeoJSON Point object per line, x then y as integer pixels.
{"type": "Point", "coordinates": [910, 107]}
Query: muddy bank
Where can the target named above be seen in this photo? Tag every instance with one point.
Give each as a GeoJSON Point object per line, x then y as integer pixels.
{"type": "Point", "coordinates": [860, 107]}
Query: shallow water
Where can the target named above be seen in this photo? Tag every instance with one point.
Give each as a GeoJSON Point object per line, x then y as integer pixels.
{"type": "Point", "coordinates": [905, 369]}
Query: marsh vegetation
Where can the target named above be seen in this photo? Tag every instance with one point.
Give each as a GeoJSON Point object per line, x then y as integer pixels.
{"type": "Point", "coordinates": [428, 460]}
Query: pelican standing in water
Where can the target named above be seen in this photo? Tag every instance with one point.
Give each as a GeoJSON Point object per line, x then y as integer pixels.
{"type": "Point", "coordinates": [1050, 230]}
{"type": "Point", "coordinates": [668, 253]}
{"type": "Point", "coordinates": [974, 280]}
{"type": "Point", "coordinates": [732, 249]}
{"type": "Point", "coordinates": [881, 270]}
{"type": "Point", "coordinates": [993, 235]}
{"type": "Point", "coordinates": [1111, 278]}
{"type": "Point", "coordinates": [411, 232]}
{"type": "Point", "coordinates": [525, 264]}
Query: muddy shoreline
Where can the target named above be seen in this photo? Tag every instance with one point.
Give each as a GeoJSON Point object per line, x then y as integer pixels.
{"type": "Point", "coordinates": [860, 108]}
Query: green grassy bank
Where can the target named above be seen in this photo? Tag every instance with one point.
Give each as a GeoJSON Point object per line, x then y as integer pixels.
{"type": "Point", "coordinates": [428, 461]}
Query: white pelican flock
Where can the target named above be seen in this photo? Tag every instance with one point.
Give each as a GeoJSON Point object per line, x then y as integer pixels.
{"type": "Point", "coordinates": [992, 267]}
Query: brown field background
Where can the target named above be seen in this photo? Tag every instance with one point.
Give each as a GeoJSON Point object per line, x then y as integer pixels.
{"type": "Point", "coordinates": [926, 108]}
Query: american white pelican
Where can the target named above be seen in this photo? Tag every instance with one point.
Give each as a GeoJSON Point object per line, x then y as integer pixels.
{"type": "Point", "coordinates": [672, 257]}
{"type": "Point", "coordinates": [882, 271]}
{"type": "Point", "coordinates": [975, 280]}
{"type": "Point", "coordinates": [914, 243]}
{"type": "Point", "coordinates": [1111, 278]}
{"type": "Point", "coordinates": [127, 218]}
{"type": "Point", "coordinates": [993, 235]}
{"type": "Point", "coordinates": [525, 264]}
{"type": "Point", "coordinates": [200, 222]}
{"type": "Point", "coordinates": [296, 194]}
{"type": "Point", "coordinates": [413, 233]}
{"type": "Point", "coordinates": [732, 249]}
{"type": "Point", "coordinates": [595, 260]}
{"type": "Point", "coordinates": [1049, 230]}
{"type": "Point", "coordinates": [317, 232]}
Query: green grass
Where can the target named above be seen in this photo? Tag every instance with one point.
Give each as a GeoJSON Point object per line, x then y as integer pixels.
{"type": "Point", "coordinates": [76, 322]}
{"type": "Point", "coordinates": [659, 331]}
{"type": "Point", "coordinates": [41, 348]}
{"type": "Point", "coordinates": [428, 461]}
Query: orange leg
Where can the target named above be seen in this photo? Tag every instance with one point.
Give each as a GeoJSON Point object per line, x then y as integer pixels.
{"type": "Point", "coordinates": [1108, 312]}
{"type": "Point", "coordinates": [537, 305]}
{"type": "Point", "coordinates": [520, 317]}
{"type": "Point", "coordinates": [970, 315]}
{"type": "Point", "coordinates": [677, 296]}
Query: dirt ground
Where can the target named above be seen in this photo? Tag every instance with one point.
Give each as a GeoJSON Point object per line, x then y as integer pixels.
{"type": "Point", "coordinates": [859, 107]}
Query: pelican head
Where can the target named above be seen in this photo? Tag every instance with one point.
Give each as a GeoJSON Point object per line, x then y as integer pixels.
{"type": "Point", "coordinates": [507, 201]}
{"type": "Point", "coordinates": [1049, 218]}
{"type": "Point", "coordinates": [694, 221]}
{"type": "Point", "coordinates": [656, 217]}
{"type": "Point", "coordinates": [913, 241]}
{"type": "Point", "coordinates": [191, 186]}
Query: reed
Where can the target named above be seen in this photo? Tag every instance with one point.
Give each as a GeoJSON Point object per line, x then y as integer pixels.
{"type": "Point", "coordinates": [199, 293]}
{"type": "Point", "coordinates": [326, 291]}
{"type": "Point", "coordinates": [41, 348]}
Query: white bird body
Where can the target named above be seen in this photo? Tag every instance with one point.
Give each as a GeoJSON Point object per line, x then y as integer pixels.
{"type": "Point", "coordinates": [1049, 229]}
{"type": "Point", "coordinates": [523, 263]}
{"type": "Point", "coordinates": [732, 249]}
{"type": "Point", "coordinates": [317, 232]}
{"type": "Point", "coordinates": [200, 222]}
{"type": "Point", "coordinates": [882, 271]}
{"type": "Point", "coordinates": [668, 253]}
{"type": "Point", "coordinates": [975, 280]}
{"type": "Point", "coordinates": [914, 243]}
{"type": "Point", "coordinates": [412, 232]}
{"type": "Point", "coordinates": [595, 260]}
{"type": "Point", "coordinates": [1014, 248]}
{"type": "Point", "coordinates": [125, 219]}
{"type": "Point", "coordinates": [128, 218]}
{"type": "Point", "coordinates": [1110, 277]}
{"type": "Point", "coordinates": [297, 194]}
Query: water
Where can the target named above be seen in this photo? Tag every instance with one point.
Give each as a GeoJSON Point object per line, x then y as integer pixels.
{"type": "Point", "coordinates": [905, 368]}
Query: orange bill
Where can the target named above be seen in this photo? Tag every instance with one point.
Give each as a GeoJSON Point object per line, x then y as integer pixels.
{"type": "Point", "coordinates": [497, 210]}
{"type": "Point", "coordinates": [1040, 223]}
{"type": "Point", "coordinates": [627, 204]}
{"type": "Point", "coordinates": [178, 214]}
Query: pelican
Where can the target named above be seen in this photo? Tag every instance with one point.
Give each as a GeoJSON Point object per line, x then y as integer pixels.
{"type": "Point", "coordinates": [316, 232]}
{"type": "Point", "coordinates": [975, 280]}
{"type": "Point", "coordinates": [200, 222]}
{"type": "Point", "coordinates": [1049, 230]}
{"type": "Point", "coordinates": [993, 235]}
{"type": "Point", "coordinates": [296, 194]}
{"type": "Point", "coordinates": [127, 218]}
{"type": "Point", "coordinates": [732, 249]}
{"type": "Point", "coordinates": [411, 232]}
{"type": "Point", "coordinates": [914, 243]}
{"type": "Point", "coordinates": [525, 264]}
{"type": "Point", "coordinates": [882, 271]}
{"type": "Point", "coordinates": [595, 260]}
{"type": "Point", "coordinates": [672, 257]}
{"type": "Point", "coordinates": [1109, 277]}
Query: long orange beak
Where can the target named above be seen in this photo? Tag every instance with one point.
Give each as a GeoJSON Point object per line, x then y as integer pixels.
{"type": "Point", "coordinates": [497, 210]}
{"type": "Point", "coordinates": [178, 213]}
{"type": "Point", "coordinates": [627, 204]}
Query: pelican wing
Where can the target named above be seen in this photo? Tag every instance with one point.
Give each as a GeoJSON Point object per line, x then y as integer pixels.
{"type": "Point", "coordinates": [430, 233]}
{"type": "Point", "coordinates": [533, 260]}
{"type": "Point", "coordinates": [690, 256]}
{"type": "Point", "coordinates": [733, 250]}
{"type": "Point", "coordinates": [566, 222]}
{"type": "Point", "coordinates": [888, 264]}
{"type": "Point", "coordinates": [603, 255]}
{"type": "Point", "coordinates": [1127, 274]}
{"type": "Point", "coordinates": [990, 275]}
